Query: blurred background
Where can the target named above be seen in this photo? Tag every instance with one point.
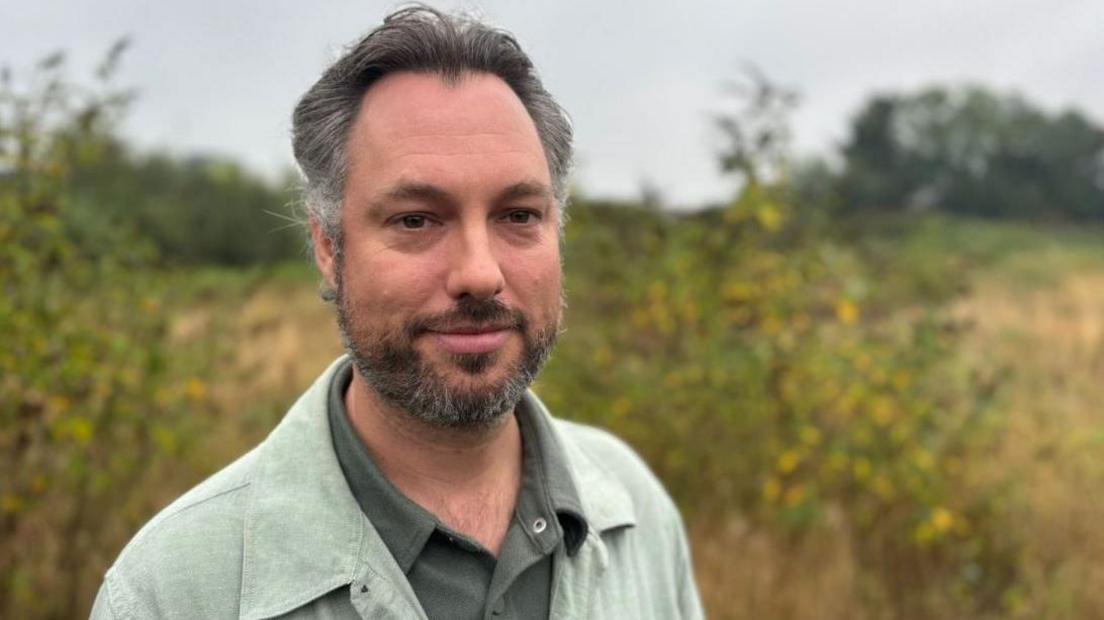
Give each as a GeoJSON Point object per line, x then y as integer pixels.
{"type": "Point", "coordinates": [836, 270]}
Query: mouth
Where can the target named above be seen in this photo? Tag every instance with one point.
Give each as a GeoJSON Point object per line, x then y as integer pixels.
{"type": "Point", "coordinates": [473, 340]}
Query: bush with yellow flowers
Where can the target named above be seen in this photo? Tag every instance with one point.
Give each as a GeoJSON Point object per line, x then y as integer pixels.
{"type": "Point", "coordinates": [753, 364]}
{"type": "Point", "coordinates": [84, 404]}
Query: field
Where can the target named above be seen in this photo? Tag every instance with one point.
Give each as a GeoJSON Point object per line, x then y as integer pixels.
{"type": "Point", "coordinates": [1031, 315]}
{"type": "Point", "coordinates": [886, 419]}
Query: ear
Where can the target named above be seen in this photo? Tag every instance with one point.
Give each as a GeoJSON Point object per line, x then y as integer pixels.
{"type": "Point", "coordinates": [324, 253]}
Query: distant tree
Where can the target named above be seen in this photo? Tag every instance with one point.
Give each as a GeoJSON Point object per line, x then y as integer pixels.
{"type": "Point", "coordinates": [195, 209]}
{"type": "Point", "coordinates": [970, 150]}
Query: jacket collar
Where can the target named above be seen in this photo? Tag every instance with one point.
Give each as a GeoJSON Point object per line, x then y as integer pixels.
{"type": "Point", "coordinates": [606, 502]}
{"type": "Point", "coordinates": [305, 534]}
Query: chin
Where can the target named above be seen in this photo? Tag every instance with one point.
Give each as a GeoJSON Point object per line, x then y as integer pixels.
{"type": "Point", "coordinates": [475, 364]}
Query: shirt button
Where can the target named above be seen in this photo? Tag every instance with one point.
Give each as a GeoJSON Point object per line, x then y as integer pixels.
{"type": "Point", "coordinates": [539, 525]}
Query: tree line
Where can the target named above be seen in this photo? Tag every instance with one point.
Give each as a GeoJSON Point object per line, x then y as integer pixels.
{"type": "Point", "coordinates": [972, 151]}
{"type": "Point", "coordinates": [960, 150]}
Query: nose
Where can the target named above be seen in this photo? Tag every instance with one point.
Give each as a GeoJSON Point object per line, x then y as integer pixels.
{"type": "Point", "coordinates": [476, 270]}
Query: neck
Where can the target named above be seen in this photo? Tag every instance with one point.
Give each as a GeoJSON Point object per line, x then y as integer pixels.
{"type": "Point", "coordinates": [468, 478]}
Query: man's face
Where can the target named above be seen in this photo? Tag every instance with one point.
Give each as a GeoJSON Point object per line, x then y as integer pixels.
{"type": "Point", "coordinates": [448, 274]}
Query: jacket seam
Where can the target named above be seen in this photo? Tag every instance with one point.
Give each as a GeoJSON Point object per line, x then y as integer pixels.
{"type": "Point", "coordinates": [160, 523]}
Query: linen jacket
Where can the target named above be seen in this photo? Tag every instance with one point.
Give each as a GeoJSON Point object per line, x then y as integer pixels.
{"type": "Point", "coordinates": [278, 534]}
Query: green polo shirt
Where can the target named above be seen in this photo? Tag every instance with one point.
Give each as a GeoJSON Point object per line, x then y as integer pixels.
{"type": "Point", "coordinates": [452, 575]}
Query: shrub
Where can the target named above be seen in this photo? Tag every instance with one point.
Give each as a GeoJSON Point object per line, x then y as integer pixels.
{"type": "Point", "coordinates": [84, 400]}
{"type": "Point", "coordinates": [731, 348]}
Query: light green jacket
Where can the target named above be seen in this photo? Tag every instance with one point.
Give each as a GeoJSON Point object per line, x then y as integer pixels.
{"type": "Point", "coordinates": [279, 534]}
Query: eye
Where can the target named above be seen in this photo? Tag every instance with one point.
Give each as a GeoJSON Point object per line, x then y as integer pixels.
{"type": "Point", "coordinates": [413, 221]}
{"type": "Point", "coordinates": [520, 217]}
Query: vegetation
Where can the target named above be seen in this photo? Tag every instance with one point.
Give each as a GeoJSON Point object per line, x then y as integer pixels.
{"type": "Point", "coordinates": [84, 359]}
{"type": "Point", "coordinates": [196, 210]}
{"type": "Point", "coordinates": [971, 151]}
{"type": "Point", "coordinates": [868, 417]}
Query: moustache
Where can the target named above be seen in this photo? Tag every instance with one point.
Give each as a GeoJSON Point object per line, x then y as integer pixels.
{"type": "Point", "coordinates": [470, 314]}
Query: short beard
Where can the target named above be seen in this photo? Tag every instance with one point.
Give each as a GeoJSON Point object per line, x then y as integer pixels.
{"type": "Point", "coordinates": [394, 369]}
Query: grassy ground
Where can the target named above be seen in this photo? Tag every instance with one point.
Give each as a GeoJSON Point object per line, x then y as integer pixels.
{"type": "Point", "coordinates": [1035, 309]}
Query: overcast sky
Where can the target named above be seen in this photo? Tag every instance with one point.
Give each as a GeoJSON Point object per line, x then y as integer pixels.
{"type": "Point", "coordinates": [640, 79]}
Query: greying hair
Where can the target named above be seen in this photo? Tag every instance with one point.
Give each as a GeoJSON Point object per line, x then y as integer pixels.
{"type": "Point", "coordinates": [419, 39]}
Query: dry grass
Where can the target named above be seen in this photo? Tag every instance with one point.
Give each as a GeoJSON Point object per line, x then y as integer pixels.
{"type": "Point", "coordinates": [1051, 341]}
{"type": "Point", "coordinates": [748, 574]}
{"type": "Point", "coordinates": [286, 337]}
{"type": "Point", "coordinates": [266, 345]}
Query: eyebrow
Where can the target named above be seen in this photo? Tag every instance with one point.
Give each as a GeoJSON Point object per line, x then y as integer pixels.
{"type": "Point", "coordinates": [526, 189]}
{"type": "Point", "coordinates": [427, 192]}
{"type": "Point", "coordinates": [423, 192]}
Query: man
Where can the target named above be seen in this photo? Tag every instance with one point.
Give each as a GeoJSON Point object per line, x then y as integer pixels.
{"type": "Point", "coordinates": [418, 477]}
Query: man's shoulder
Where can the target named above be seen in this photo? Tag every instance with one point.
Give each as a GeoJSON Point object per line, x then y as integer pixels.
{"type": "Point", "coordinates": [597, 454]}
{"type": "Point", "coordinates": [217, 502]}
{"type": "Point", "coordinates": [191, 547]}
{"type": "Point", "coordinates": [619, 489]}
{"type": "Point", "coordinates": [601, 445]}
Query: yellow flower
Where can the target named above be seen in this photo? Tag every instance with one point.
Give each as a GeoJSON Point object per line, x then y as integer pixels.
{"type": "Point", "coordinates": [942, 520]}
{"type": "Point", "coordinates": [81, 429]}
{"type": "Point", "coordinates": [788, 461]}
{"type": "Point", "coordinates": [847, 312]}
{"type": "Point", "coordinates": [195, 389]}
{"type": "Point", "coordinates": [769, 217]}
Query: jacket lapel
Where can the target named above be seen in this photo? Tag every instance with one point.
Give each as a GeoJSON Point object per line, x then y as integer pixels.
{"type": "Point", "coordinates": [305, 535]}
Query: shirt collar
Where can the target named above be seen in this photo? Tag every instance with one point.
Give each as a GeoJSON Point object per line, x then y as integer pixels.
{"type": "Point", "coordinates": [548, 477]}
{"type": "Point", "coordinates": [405, 527]}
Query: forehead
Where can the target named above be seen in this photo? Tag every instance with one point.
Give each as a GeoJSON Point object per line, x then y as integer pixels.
{"type": "Point", "coordinates": [407, 116]}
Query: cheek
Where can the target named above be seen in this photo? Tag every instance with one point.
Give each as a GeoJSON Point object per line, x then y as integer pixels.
{"type": "Point", "coordinates": [541, 283]}
{"type": "Point", "coordinates": [392, 289]}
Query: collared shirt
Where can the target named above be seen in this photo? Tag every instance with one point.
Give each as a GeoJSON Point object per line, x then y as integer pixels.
{"type": "Point", "coordinates": [452, 575]}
